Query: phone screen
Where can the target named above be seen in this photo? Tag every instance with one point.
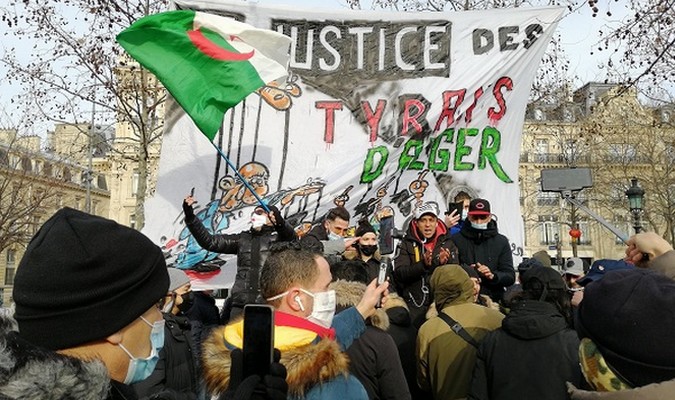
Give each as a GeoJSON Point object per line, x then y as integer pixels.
{"type": "Point", "coordinates": [258, 339]}
{"type": "Point", "coordinates": [458, 207]}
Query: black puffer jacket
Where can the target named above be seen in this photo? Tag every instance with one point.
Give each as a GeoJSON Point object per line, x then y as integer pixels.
{"type": "Point", "coordinates": [177, 365]}
{"type": "Point", "coordinates": [410, 273]}
{"type": "Point", "coordinates": [251, 248]}
{"type": "Point", "coordinates": [531, 356]}
{"type": "Point", "coordinates": [491, 249]}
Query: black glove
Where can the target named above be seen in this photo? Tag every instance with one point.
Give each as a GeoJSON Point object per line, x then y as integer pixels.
{"type": "Point", "coordinates": [272, 387]}
{"type": "Point", "coordinates": [275, 381]}
{"type": "Point", "coordinates": [279, 220]}
{"type": "Point", "coordinates": [188, 210]}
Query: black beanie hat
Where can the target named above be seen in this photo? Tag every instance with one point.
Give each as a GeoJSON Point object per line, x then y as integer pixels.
{"type": "Point", "coordinates": [630, 316]}
{"type": "Point", "coordinates": [363, 228]}
{"type": "Point", "coordinates": [83, 278]}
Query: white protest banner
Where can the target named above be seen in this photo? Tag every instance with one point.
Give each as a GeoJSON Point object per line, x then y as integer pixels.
{"type": "Point", "coordinates": [383, 111]}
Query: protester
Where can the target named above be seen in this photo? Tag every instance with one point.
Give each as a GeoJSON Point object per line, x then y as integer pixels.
{"type": "Point", "coordinates": [446, 355]}
{"type": "Point", "coordinates": [366, 252]}
{"type": "Point", "coordinates": [456, 222]}
{"type": "Point", "coordinates": [574, 270]}
{"type": "Point", "coordinates": [251, 248]}
{"type": "Point", "coordinates": [309, 335]}
{"type": "Point", "coordinates": [404, 334]}
{"type": "Point", "coordinates": [481, 246]}
{"type": "Point", "coordinates": [86, 294]}
{"type": "Point", "coordinates": [625, 324]}
{"type": "Point", "coordinates": [329, 236]}
{"type": "Point", "coordinates": [534, 353]}
{"type": "Point", "coordinates": [596, 272]}
{"type": "Point", "coordinates": [660, 255]}
{"type": "Point", "coordinates": [177, 368]}
{"type": "Point", "coordinates": [424, 247]}
{"type": "Point", "coordinates": [514, 290]}
{"type": "Point", "coordinates": [373, 357]}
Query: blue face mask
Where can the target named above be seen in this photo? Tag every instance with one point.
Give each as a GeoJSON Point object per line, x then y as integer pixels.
{"type": "Point", "coordinates": [141, 368]}
{"type": "Point", "coordinates": [481, 227]}
{"type": "Point", "coordinates": [334, 236]}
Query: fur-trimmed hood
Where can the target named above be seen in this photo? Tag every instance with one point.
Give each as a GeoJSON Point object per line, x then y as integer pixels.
{"type": "Point", "coordinates": [30, 372]}
{"type": "Point", "coordinates": [307, 364]}
{"type": "Point", "coordinates": [349, 293]}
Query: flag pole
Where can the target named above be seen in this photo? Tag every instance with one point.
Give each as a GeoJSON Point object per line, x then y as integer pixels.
{"type": "Point", "coordinates": [248, 186]}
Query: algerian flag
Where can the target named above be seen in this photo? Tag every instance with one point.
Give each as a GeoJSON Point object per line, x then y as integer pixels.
{"type": "Point", "coordinates": [208, 63]}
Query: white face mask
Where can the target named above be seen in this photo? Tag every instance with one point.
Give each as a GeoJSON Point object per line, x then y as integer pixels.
{"type": "Point", "coordinates": [258, 221]}
{"type": "Point", "coordinates": [465, 213]}
{"type": "Point", "coordinates": [481, 227]}
{"type": "Point", "coordinates": [324, 307]}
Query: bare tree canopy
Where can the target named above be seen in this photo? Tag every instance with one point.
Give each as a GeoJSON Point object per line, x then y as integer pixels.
{"type": "Point", "coordinates": [75, 68]}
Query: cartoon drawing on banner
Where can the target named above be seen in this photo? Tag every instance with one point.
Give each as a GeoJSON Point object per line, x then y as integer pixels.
{"type": "Point", "coordinates": [278, 97]}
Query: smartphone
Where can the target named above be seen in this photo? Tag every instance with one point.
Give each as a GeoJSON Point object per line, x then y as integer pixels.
{"type": "Point", "coordinates": [386, 238]}
{"type": "Point", "coordinates": [192, 194]}
{"type": "Point", "coordinates": [258, 348]}
{"type": "Point", "coordinates": [381, 277]}
{"type": "Point", "coordinates": [458, 207]}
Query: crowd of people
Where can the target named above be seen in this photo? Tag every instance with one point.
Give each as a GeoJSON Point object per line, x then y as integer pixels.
{"type": "Point", "coordinates": [99, 315]}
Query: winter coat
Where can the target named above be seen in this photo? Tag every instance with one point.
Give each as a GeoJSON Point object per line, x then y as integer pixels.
{"type": "Point", "coordinates": [446, 360]}
{"type": "Point", "coordinates": [655, 391]}
{"type": "Point", "coordinates": [404, 334]}
{"type": "Point", "coordinates": [317, 241]}
{"type": "Point", "coordinates": [177, 365]}
{"type": "Point", "coordinates": [532, 356]}
{"type": "Point", "coordinates": [316, 366]}
{"type": "Point", "coordinates": [31, 372]}
{"type": "Point", "coordinates": [372, 266]}
{"type": "Point", "coordinates": [374, 359]}
{"type": "Point", "coordinates": [491, 249]}
{"type": "Point", "coordinates": [411, 275]}
{"type": "Point", "coordinates": [251, 248]}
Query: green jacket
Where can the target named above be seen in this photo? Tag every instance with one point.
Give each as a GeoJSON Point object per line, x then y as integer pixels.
{"type": "Point", "coordinates": [446, 360]}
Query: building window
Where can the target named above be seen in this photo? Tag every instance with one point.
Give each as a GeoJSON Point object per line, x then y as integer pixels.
{"type": "Point", "coordinates": [548, 198]}
{"type": "Point", "coordinates": [621, 152]}
{"type": "Point", "coordinates": [11, 267]}
{"type": "Point", "coordinates": [541, 146]}
{"type": "Point", "coordinates": [78, 203]}
{"type": "Point", "coordinates": [94, 207]}
{"type": "Point", "coordinates": [132, 221]}
{"type": "Point", "coordinates": [585, 238]}
{"type": "Point", "coordinates": [549, 230]}
{"type": "Point", "coordinates": [134, 184]}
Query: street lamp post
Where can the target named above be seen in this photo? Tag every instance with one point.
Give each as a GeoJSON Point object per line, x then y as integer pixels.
{"type": "Point", "coordinates": [635, 196]}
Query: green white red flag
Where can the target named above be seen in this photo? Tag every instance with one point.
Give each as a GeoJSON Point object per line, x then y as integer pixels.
{"type": "Point", "coordinates": [208, 63]}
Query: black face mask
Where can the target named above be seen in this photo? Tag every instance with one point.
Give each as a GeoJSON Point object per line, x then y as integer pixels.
{"type": "Point", "coordinates": [188, 300]}
{"type": "Point", "coordinates": [368, 250]}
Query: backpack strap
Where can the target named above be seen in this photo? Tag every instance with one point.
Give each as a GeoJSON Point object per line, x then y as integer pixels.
{"type": "Point", "coordinates": [458, 329]}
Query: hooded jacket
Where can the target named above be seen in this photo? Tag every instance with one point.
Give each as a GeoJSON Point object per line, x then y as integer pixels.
{"type": "Point", "coordinates": [446, 360]}
{"type": "Point", "coordinates": [404, 334]}
{"type": "Point", "coordinates": [31, 372]}
{"type": "Point", "coordinates": [374, 356]}
{"type": "Point", "coordinates": [316, 366]}
{"type": "Point", "coordinates": [491, 249]}
{"type": "Point", "coordinates": [532, 356]}
{"type": "Point", "coordinates": [251, 248]}
{"type": "Point", "coordinates": [411, 275]}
